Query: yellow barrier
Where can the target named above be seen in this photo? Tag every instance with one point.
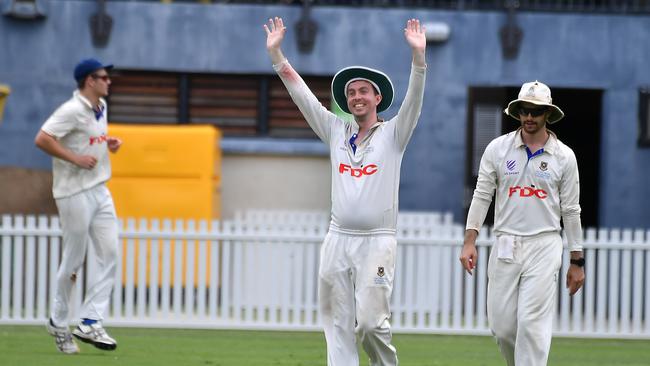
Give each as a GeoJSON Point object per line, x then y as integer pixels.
{"type": "Point", "coordinates": [166, 172]}
{"type": "Point", "coordinates": [4, 92]}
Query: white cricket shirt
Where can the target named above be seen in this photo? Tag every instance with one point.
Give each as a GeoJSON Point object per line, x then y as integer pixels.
{"type": "Point", "coordinates": [76, 127]}
{"type": "Point", "coordinates": [365, 184]}
{"type": "Point", "coordinates": [531, 193]}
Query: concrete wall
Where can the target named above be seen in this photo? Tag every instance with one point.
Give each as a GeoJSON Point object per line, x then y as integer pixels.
{"type": "Point", "coordinates": [563, 50]}
{"type": "Point", "coordinates": [271, 182]}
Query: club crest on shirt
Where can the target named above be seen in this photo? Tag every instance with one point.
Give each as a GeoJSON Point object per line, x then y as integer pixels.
{"type": "Point", "coordinates": [381, 279]}
{"type": "Point", "coordinates": [542, 172]}
{"type": "Point", "coordinates": [543, 166]}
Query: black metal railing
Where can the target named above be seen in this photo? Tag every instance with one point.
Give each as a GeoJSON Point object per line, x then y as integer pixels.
{"type": "Point", "coordinates": [566, 6]}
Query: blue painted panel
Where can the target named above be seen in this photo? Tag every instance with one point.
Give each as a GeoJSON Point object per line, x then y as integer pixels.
{"type": "Point", "coordinates": [564, 50]}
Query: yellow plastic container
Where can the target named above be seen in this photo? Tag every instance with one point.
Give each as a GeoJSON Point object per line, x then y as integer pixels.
{"type": "Point", "coordinates": [166, 172]}
{"type": "Point", "coordinates": [4, 92]}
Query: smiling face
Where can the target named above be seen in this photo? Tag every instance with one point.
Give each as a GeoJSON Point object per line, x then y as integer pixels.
{"type": "Point", "coordinates": [362, 100]}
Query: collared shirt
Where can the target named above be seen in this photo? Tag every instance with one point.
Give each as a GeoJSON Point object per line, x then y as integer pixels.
{"type": "Point", "coordinates": [78, 129]}
{"type": "Point", "coordinates": [355, 132]}
{"type": "Point", "coordinates": [365, 183]}
{"type": "Point", "coordinates": [532, 193]}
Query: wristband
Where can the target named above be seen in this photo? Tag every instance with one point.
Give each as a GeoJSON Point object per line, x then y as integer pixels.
{"type": "Point", "coordinates": [580, 262]}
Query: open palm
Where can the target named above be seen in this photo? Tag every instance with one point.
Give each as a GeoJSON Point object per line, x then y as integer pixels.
{"type": "Point", "coordinates": [414, 34]}
{"type": "Point", "coordinates": [275, 31]}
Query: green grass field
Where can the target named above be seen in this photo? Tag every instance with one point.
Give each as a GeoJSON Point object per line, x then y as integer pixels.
{"type": "Point", "coordinates": [31, 346]}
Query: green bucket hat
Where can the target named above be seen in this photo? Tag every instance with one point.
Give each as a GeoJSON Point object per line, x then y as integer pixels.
{"type": "Point", "coordinates": [378, 79]}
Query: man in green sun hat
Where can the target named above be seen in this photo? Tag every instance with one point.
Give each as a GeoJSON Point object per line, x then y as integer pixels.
{"type": "Point", "coordinates": [357, 262]}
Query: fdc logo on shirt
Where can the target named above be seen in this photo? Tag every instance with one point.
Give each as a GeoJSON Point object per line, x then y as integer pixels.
{"type": "Point", "coordinates": [369, 169]}
{"type": "Point", "coordinates": [98, 139]}
{"type": "Point", "coordinates": [527, 192]}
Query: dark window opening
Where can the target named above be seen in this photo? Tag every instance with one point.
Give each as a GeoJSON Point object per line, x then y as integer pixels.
{"type": "Point", "coordinates": [580, 130]}
{"type": "Point", "coordinates": [644, 117]}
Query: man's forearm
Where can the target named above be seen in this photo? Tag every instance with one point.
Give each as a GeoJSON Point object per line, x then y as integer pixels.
{"type": "Point", "coordinates": [573, 230]}
{"type": "Point", "coordinates": [576, 254]}
{"type": "Point", "coordinates": [419, 58]}
{"type": "Point", "coordinates": [276, 55]}
{"type": "Point", "coordinates": [470, 236]}
{"type": "Point", "coordinates": [476, 215]}
{"type": "Point", "coordinates": [52, 147]}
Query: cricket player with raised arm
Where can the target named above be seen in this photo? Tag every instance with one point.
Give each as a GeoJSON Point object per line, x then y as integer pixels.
{"type": "Point", "coordinates": [357, 262]}
{"type": "Point", "coordinates": [535, 177]}
{"type": "Point", "coordinates": [76, 137]}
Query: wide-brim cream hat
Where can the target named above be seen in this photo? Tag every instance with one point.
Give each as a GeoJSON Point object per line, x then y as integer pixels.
{"type": "Point", "coordinates": [537, 93]}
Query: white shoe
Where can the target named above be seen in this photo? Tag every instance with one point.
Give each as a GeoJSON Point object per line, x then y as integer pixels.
{"type": "Point", "coordinates": [96, 335]}
{"type": "Point", "coordinates": [63, 338]}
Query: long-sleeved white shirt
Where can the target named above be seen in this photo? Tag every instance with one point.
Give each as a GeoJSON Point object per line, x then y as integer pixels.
{"type": "Point", "coordinates": [531, 193]}
{"type": "Point", "coordinates": [365, 184]}
{"type": "Point", "coordinates": [78, 129]}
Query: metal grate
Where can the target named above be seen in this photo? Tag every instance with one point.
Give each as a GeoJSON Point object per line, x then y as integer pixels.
{"type": "Point", "coordinates": [572, 6]}
{"type": "Point", "coordinates": [240, 105]}
{"type": "Point", "coordinates": [487, 126]}
{"type": "Point", "coordinates": [143, 98]}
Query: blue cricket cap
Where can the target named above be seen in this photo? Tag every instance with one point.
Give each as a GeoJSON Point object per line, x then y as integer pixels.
{"type": "Point", "coordinates": [87, 67]}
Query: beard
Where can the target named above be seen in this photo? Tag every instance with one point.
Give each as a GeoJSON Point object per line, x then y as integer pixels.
{"type": "Point", "coordinates": [532, 126]}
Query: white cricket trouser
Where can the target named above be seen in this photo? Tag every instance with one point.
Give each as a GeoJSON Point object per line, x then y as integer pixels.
{"type": "Point", "coordinates": [521, 298]}
{"type": "Point", "coordinates": [87, 217]}
{"type": "Point", "coordinates": [355, 283]}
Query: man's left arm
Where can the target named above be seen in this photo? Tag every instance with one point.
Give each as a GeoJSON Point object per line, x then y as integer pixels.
{"type": "Point", "coordinates": [409, 112]}
{"type": "Point", "coordinates": [570, 210]}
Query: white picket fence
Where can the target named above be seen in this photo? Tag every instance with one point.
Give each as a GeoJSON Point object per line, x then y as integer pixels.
{"type": "Point", "coordinates": [259, 271]}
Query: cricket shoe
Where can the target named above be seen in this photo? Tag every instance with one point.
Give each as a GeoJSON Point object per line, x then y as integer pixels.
{"type": "Point", "coordinates": [63, 338]}
{"type": "Point", "coordinates": [96, 335]}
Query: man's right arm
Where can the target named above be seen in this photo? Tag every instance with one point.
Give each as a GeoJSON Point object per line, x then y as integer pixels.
{"type": "Point", "coordinates": [485, 186]}
{"type": "Point", "coordinates": [317, 116]}
{"type": "Point", "coordinates": [53, 147]}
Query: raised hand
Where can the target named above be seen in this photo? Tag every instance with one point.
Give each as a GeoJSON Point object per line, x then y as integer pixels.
{"type": "Point", "coordinates": [414, 34]}
{"type": "Point", "coordinates": [275, 31]}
